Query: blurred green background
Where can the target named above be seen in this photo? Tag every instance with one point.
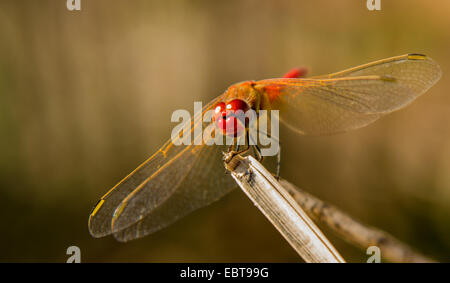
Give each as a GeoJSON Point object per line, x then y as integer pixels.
{"type": "Point", "coordinates": [86, 96]}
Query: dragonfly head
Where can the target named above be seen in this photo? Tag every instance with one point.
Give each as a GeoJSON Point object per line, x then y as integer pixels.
{"type": "Point", "coordinates": [229, 117]}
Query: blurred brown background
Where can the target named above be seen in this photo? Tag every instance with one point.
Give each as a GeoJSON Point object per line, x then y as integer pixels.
{"type": "Point", "coordinates": [86, 96]}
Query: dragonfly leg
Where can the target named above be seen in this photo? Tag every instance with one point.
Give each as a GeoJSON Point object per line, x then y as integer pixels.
{"type": "Point", "coordinates": [278, 162]}
{"type": "Point", "coordinates": [228, 156]}
{"type": "Point", "coordinates": [231, 148]}
{"type": "Point", "coordinates": [235, 150]}
{"type": "Point", "coordinates": [247, 145]}
{"type": "Point", "coordinates": [256, 147]}
{"type": "Point", "coordinates": [257, 152]}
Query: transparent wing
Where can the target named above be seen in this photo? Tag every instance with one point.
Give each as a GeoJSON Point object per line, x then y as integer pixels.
{"type": "Point", "coordinates": [352, 98]}
{"type": "Point", "coordinates": [182, 178]}
{"type": "Point", "coordinates": [385, 67]}
{"type": "Point", "coordinates": [204, 183]}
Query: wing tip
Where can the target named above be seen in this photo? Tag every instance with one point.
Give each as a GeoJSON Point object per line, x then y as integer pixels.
{"type": "Point", "coordinates": [437, 69]}
{"type": "Point", "coordinates": [95, 233]}
{"type": "Point", "coordinates": [94, 229]}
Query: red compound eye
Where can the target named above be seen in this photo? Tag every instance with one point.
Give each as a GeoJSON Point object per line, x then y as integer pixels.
{"type": "Point", "coordinates": [219, 111]}
{"type": "Point", "coordinates": [236, 105]}
{"type": "Point", "coordinates": [230, 117]}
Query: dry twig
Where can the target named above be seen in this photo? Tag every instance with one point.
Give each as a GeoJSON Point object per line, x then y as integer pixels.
{"type": "Point", "coordinates": [282, 210]}
{"type": "Point", "coordinates": [351, 230]}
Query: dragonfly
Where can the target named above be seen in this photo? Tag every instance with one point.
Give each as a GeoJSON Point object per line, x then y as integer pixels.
{"type": "Point", "coordinates": [179, 179]}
